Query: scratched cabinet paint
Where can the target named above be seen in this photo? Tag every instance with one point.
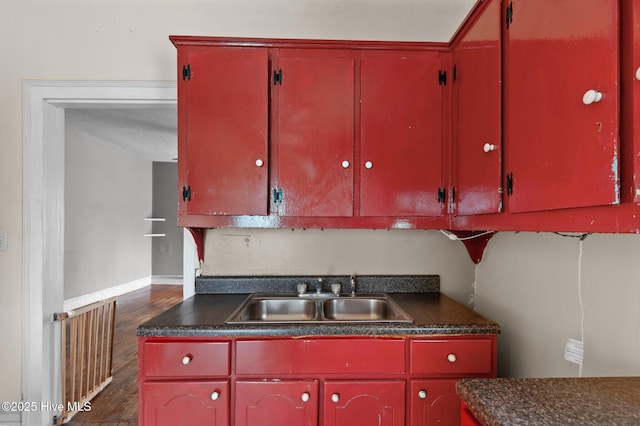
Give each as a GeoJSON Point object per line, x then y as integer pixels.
{"type": "Point", "coordinates": [561, 104]}
{"type": "Point", "coordinates": [223, 131]}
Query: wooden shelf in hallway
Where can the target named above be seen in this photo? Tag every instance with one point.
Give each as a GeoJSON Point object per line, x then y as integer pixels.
{"type": "Point", "coordinates": [117, 404]}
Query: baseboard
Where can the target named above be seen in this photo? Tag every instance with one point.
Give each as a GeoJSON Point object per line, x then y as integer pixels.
{"type": "Point", "coordinates": [96, 296]}
{"type": "Point", "coordinates": [10, 419]}
{"type": "Point", "coordinates": [167, 279]}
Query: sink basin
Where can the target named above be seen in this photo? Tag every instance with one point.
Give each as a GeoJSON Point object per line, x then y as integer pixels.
{"type": "Point", "coordinates": [311, 308]}
{"type": "Point", "coordinates": [362, 309]}
{"type": "Point", "coordinates": [289, 309]}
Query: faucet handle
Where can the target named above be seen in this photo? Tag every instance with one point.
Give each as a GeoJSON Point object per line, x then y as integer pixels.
{"type": "Point", "coordinates": [335, 289]}
{"type": "Point", "coordinates": [302, 288]}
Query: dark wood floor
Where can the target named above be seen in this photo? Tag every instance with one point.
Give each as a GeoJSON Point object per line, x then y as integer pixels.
{"type": "Point", "coordinates": [117, 404]}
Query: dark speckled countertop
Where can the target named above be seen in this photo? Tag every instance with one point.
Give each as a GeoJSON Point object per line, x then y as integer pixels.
{"type": "Point", "coordinates": [553, 401]}
{"type": "Point", "coordinates": [217, 298]}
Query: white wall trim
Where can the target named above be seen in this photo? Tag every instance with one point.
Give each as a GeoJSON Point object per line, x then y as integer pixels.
{"type": "Point", "coordinates": [10, 419]}
{"type": "Point", "coordinates": [98, 296]}
{"type": "Point", "coordinates": [43, 216]}
{"type": "Point", "coordinates": [167, 279]}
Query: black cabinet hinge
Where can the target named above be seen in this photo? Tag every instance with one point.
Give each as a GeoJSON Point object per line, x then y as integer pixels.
{"type": "Point", "coordinates": [278, 195]}
{"type": "Point", "coordinates": [510, 184]}
{"type": "Point", "coordinates": [186, 193]}
{"type": "Point", "coordinates": [454, 73]}
{"type": "Point", "coordinates": [509, 14]}
{"type": "Point", "coordinates": [442, 195]}
{"type": "Point", "coordinates": [277, 77]}
{"type": "Point", "coordinates": [442, 77]}
{"type": "Point", "coordinates": [186, 72]}
{"type": "Point", "coordinates": [453, 194]}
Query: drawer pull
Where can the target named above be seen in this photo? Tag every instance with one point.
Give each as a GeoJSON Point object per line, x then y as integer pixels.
{"type": "Point", "coordinates": [335, 397]}
{"type": "Point", "coordinates": [186, 359]}
{"type": "Point", "coordinates": [422, 394]}
{"type": "Point", "coordinates": [215, 395]}
{"type": "Point", "coordinates": [305, 397]}
{"type": "Point", "coordinates": [452, 357]}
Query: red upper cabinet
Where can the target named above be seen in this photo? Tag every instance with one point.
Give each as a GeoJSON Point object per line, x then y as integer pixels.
{"type": "Point", "coordinates": [630, 100]}
{"type": "Point", "coordinates": [561, 103]}
{"type": "Point", "coordinates": [315, 132]}
{"type": "Point", "coordinates": [477, 116]}
{"type": "Point", "coordinates": [401, 112]}
{"type": "Point", "coordinates": [223, 131]}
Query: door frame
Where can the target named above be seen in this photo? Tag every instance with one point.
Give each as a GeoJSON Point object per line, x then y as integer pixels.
{"type": "Point", "coordinates": [44, 102]}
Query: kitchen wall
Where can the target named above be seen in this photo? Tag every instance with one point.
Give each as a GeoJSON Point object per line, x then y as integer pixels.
{"type": "Point", "coordinates": [108, 193]}
{"type": "Point", "coordinates": [166, 251]}
{"type": "Point", "coordinates": [527, 282]}
{"type": "Point", "coordinates": [340, 252]}
{"type": "Point", "coordinates": [540, 286]}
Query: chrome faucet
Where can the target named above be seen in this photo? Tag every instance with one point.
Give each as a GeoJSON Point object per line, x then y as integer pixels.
{"type": "Point", "coordinates": [319, 286]}
{"type": "Point", "coordinates": [352, 280]}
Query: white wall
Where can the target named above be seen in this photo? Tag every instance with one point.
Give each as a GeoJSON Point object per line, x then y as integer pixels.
{"type": "Point", "coordinates": [108, 193]}
{"type": "Point", "coordinates": [340, 252]}
{"type": "Point", "coordinates": [529, 283]}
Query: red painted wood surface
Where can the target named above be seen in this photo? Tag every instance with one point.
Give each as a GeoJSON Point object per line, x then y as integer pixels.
{"type": "Point", "coordinates": [186, 359]}
{"type": "Point", "coordinates": [315, 119]}
{"type": "Point", "coordinates": [185, 403]}
{"type": "Point", "coordinates": [434, 402]}
{"type": "Point", "coordinates": [630, 100]}
{"type": "Point", "coordinates": [477, 115]}
{"type": "Point", "coordinates": [276, 403]}
{"type": "Point", "coordinates": [451, 357]}
{"type": "Point", "coordinates": [380, 403]}
{"type": "Point", "coordinates": [401, 134]}
{"type": "Point", "coordinates": [466, 417]}
{"type": "Point", "coordinates": [320, 356]}
{"type": "Point", "coordinates": [561, 152]}
{"type": "Point", "coordinates": [226, 123]}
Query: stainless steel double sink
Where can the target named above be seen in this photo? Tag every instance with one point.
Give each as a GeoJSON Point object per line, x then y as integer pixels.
{"type": "Point", "coordinates": [258, 309]}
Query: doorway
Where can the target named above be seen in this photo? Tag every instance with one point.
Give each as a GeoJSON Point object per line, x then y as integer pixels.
{"type": "Point", "coordinates": [43, 218]}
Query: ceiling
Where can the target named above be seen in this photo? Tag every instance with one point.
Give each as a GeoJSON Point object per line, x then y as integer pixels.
{"type": "Point", "coordinates": [148, 132]}
{"type": "Point", "coordinates": [151, 131]}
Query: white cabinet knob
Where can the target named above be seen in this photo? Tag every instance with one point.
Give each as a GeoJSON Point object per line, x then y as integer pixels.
{"type": "Point", "coordinates": [638, 74]}
{"type": "Point", "coordinates": [215, 395]}
{"type": "Point", "coordinates": [591, 96]}
{"type": "Point", "coordinates": [305, 397]}
{"type": "Point", "coordinates": [345, 164]}
{"type": "Point", "coordinates": [488, 147]}
{"type": "Point", "coordinates": [186, 359]}
{"type": "Point", "coordinates": [452, 358]}
{"type": "Point", "coordinates": [368, 164]}
{"type": "Point", "coordinates": [422, 394]}
{"type": "Point", "coordinates": [259, 163]}
{"type": "Point", "coordinates": [335, 397]}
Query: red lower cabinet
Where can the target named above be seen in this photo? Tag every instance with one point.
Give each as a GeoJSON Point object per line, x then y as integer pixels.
{"type": "Point", "coordinates": [276, 403]}
{"type": "Point", "coordinates": [364, 403]}
{"type": "Point", "coordinates": [434, 402]}
{"type": "Point", "coordinates": [324, 381]}
{"type": "Point", "coordinates": [186, 403]}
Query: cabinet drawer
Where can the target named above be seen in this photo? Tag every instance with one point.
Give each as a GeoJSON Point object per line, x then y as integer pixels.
{"type": "Point", "coordinates": [321, 356]}
{"type": "Point", "coordinates": [449, 356]}
{"type": "Point", "coordinates": [186, 359]}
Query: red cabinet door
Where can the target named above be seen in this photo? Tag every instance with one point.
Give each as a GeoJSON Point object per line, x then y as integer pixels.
{"type": "Point", "coordinates": [477, 124]}
{"type": "Point", "coordinates": [315, 121]}
{"type": "Point", "coordinates": [364, 403]}
{"type": "Point", "coordinates": [560, 151]}
{"type": "Point", "coordinates": [434, 402]}
{"type": "Point", "coordinates": [276, 403]}
{"type": "Point", "coordinates": [185, 403]}
{"type": "Point", "coordinates": [401, 134]}
{"type": "Point", "coordinates": [224, 127]}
